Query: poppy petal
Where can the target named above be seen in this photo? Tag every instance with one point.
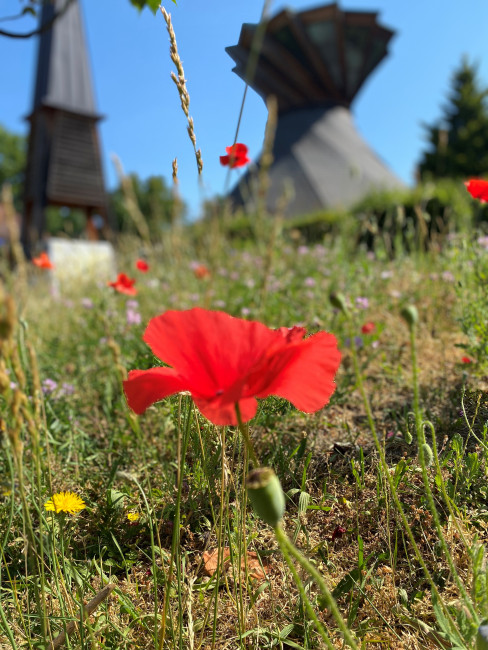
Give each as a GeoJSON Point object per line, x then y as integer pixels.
{"type": "Point", "coordinates": [144, 387]}
{"type": "Point", "coordinates": [478, 189]}
{"type": "Point", "coordinates": [224, 160]}
{"type": "Point", "coordinates": [303, 373]}
{"type": "Point", "coordinates": [224, 414]}
{"type": "Point", "coordinates": [211, 349]}
{"type": "Point", "coordinates": [238, 149]}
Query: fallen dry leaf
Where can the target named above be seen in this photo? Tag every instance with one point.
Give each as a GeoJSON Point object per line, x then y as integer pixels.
{"type": "Point", "coordinates": [211, 558]}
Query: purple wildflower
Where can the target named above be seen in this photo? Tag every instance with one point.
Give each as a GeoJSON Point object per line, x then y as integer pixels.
{"type": "Point", "coordinates": [362, 303]}
{"type": "Point", "coordinates": [49, 386]}
{"type": "Point", "coordinates": [133, 317]}
{"type": "Point", "coordinates": [66, 389]}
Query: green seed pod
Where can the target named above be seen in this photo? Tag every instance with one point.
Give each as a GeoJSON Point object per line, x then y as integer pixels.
{"type": "Point", "coordinates": [410, 315]}
{"type": "Point", "coordinates": [482, 637]}
{"type": "Point", "coordinates": [408, 437]}
{"type": "Point", "coordinates": [428, 454]}
{"type": "Point", "coordinates": [338, 301]}
{"type": "Point", "coordinates": [266, 496]}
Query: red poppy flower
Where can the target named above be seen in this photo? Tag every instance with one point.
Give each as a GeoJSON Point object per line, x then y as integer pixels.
{"type": "Point", "coordinates": [43, 261]}
{"type": "Point", "coordinates": [201, 272]}
{"type": "Point", "coordinates": [367, 328]}
{"type": "Point", "coordinates": [236, 156]}
{"type": "Point", "coordinates": [142, 265]}
{"type": "Point", "coordinates": [478, 189]}
{"type": "Point", "coordinates": [223, 361]}
{"type": "Point", "coordinates": [124, 284]}
{"type": "Point", "coordinates": [467, 360]}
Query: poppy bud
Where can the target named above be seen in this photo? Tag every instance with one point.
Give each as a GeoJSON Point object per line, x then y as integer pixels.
{"type": "Point", "coordinates": [338, 301]}
{"type": "Point", "coordinates": [428, 454]}
{"type": "Point", "coordinates": [266, 496]}
{"type": "Point", "coordinates": [410, 315]}
{"type": "Point", "coordinates": [482, 637]}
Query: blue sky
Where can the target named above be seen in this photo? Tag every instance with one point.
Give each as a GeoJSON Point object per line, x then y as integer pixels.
{"type": "Point", "coordinates": [146, 128]}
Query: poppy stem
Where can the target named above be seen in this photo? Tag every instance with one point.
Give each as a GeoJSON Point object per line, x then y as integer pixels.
{"type": "Point", "coordinates": [306, 601]}
{"type": "Point", "coordinates": [244, 429]}
{"type": "Point", "coordinates": [286, 545]}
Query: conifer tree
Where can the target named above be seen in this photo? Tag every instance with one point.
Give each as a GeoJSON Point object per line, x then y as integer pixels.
{"type": "Point", "coordinates": [459, 140]}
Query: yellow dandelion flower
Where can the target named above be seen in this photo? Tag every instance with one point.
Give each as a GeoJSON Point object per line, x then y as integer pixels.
{"type": "Point", "coordinates": [133, 516]}
{"type": "Point", "coordinates": [65, 502]}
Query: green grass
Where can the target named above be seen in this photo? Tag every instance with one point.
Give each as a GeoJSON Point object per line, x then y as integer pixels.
{"type": "Point", "coordinates": [184, 477]}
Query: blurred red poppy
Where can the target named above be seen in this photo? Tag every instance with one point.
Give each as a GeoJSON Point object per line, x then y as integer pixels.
{"type": "Point", "coordinates": [367, 328]}
{"type": "Point", "coordinates": [124, 284]}
{"type": "Point", "coordinates": [142, 265]}
{"type": "Point", "coordinates": [478, 189]}
{"type": "Point", "coordinates": [467, 360]}
{"type": "Point", "coordinates": [236, 156]}
{"type": "Point", "coordinates": [43, 261]}
{"type": "Point", "coordinates": [223, 361]}
{"type": "Point", "coordinates": [201, 272]}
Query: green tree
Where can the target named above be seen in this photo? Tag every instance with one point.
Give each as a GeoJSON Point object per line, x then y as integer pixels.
{"type": "Point", "coordinates": [12, 162]}
{"type": "Point", "coordinates": [458, 142]}
{"type": "Point", "coordinates": [154, 199]}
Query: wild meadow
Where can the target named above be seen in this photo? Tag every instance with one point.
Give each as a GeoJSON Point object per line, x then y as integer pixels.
{"type": "Point", "coordinates": [258, 435]}
{"type": "Point", "coordinates": [381, 542]}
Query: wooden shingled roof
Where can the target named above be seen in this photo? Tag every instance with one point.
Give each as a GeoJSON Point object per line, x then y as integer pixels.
{"type": "Point", "coordinates": [63, 79]}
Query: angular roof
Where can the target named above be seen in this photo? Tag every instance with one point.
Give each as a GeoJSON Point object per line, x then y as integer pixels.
{"type": "Point", "coordinates": [312, 57]}
{"type": "Point", "coordinates": [63, 77]}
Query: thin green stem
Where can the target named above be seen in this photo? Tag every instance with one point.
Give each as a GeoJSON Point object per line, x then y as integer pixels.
{"type": "Point", "coordinates": [311, 570]}
{"type": "Point", "coordinates": [220, 550]}
{"type": "Point", "coordinates": [176, 526]}
{"type": "Point", "coordinates": [242, 547]}
{"type": "Point", "coordinates": [244, 429]}
{"type": "Point", "coordinates": [308, 606]}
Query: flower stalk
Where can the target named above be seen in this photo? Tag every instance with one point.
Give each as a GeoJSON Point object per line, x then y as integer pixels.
{"type": "Point", "coordinates": [244, 429]}
{"type": "Point", "coordinates": [330, 603]}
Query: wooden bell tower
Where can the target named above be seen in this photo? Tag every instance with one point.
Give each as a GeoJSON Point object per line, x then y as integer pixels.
{"type": "Point", "coordinates": [64, 165]}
